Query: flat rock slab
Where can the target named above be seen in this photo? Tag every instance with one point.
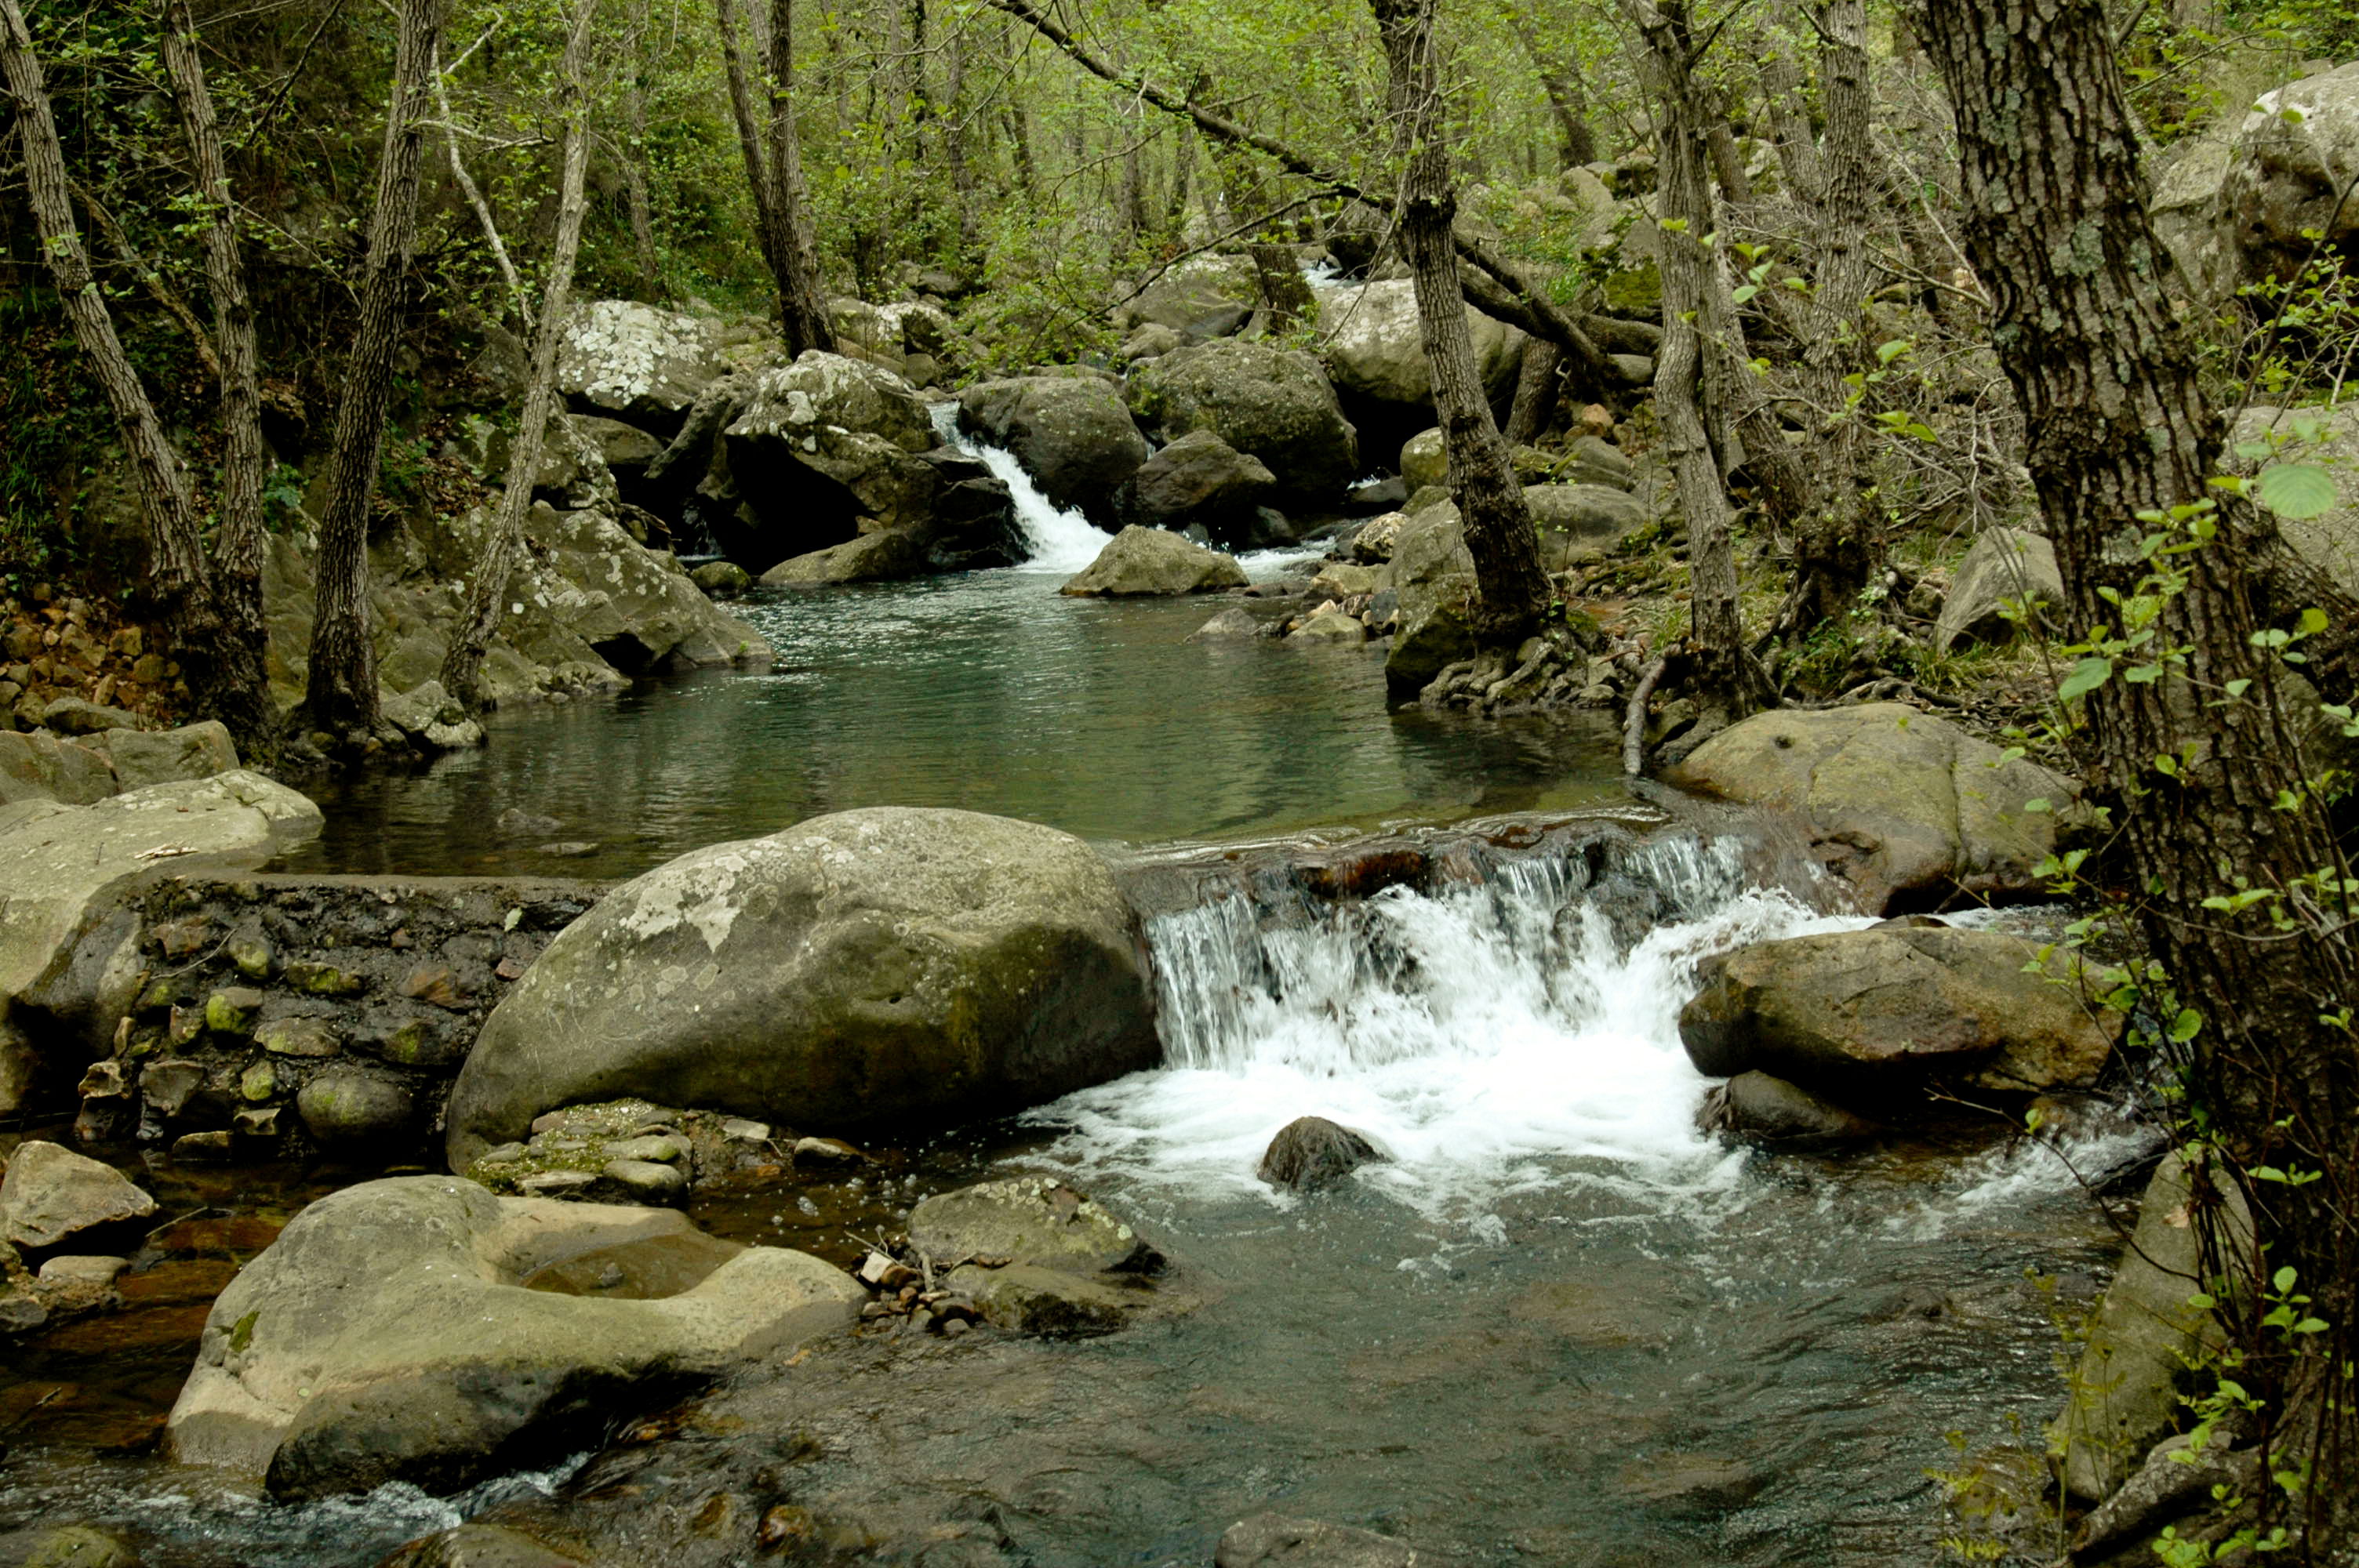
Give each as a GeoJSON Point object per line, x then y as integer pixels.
{"type": "Point", "coordinates": [1034, 1221]}
{"type": "Point", "coordinates": [52, 1194]}
{"type": "Point", "coordinates": [1275, 1540]}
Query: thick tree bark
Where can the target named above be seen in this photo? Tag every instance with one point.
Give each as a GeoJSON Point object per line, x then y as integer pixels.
{"type": "Point", "coordinates": [463, 664]}
{"type": "Point", "coordinates": [1514, 591]}
{"type": "Point", "coordinates": [240, 681]}
{"type": "Point", "coordinates": [177, 577]}
{"type": "Point", "coordinates": [1692, 372]}
{"type": "Point", "coordinates": [2058, 229]}
{"type": "Point", "coordinates": [1834, 551]}
{"type": "Point", "coordinates": [341, 694]}
{"type": "Point", "coordinates": [802, 306]}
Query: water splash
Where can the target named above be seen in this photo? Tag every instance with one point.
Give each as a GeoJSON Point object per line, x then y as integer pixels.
{"type": "Point", "coordinates": [1058, 540]}
{"type": "Point", "coordinates": [1499, 1037]}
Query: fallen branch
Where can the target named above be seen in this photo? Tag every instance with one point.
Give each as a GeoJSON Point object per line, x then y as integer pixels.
{"type": "Point", "coordinates": [1634, 722]}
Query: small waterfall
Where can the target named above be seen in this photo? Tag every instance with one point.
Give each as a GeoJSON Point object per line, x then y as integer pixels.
{"type": "Point", "coordinates": [1058, 540]}
{"type": "Point", "coordinates": [1487, 1035]}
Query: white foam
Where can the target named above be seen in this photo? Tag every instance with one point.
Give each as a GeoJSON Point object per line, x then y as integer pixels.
{"type": "Point", "coordinates": [1058, 540]}
{"type": "Point", "coordinates": [1491, 1040]}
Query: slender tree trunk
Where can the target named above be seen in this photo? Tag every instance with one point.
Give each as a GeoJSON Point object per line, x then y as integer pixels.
{"type": "Point", "coordinates": [2205, 782]}
{"type": "Point", "coordinates": [1514, 593]}
{"type": "Point", "coordinates": [802, 306]}
{"type": "Point", "coordinates": [240, 695]}
{"type": "Point", "coordinates": [1535, 393]}
{"type": "Point", "coordinates": [1693, 374]}
{"type": "Point", "coordinates": [955, 127]}
{"type": "Point", "coordinates": [1720, 142]}
{"type": "Point", "coordinates": [1834, 547]}
{"type": "Point", "coordinates": [635, 167]}
{"type": "Point", "coordinates": [462, 665]}
{"type": "Point", "coordinates": [749, 138]}
{"type": "Point", "coordinates": [1560, 83]}
{"type": "Point", "coordinates": [341, 695]}
{"type": "Point", "coordinates": [177, 580]}
{"type": "Point", "coordinates": [1798, 148]}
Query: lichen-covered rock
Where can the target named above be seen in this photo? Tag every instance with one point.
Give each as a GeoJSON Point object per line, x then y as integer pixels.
{"type": "Point", "coordinates": [1424, 460]}
{"type": "Point", "coordinates": [1203, 297]}
{"type": "Point", "coordinates": [1877, 1011]}
{"type": "Point", "coordinates": [1148, 561]}
{"type": "Point", "coordinates": [1073, 433]}
{"type": "Point", "coordinates": [1903, 806]}
{"type": "Point", "coordinates": [1035, 1221]}
{"type": "Point", "coordinates": [2286, 183]}
{"type": "Point", "coordinates": [817, 447]}
{"type": "Point", "coordinates": [1373, 342]}
{"type": "Point", "coordinates": [142, 757]}
{"type": "Point", "coordinates": [2004, 568]}
{"type": "Point", "coordinates": [389, 1333]}
{"type": "Point", "coordinates": [645, 364]}
{"type": "Point", "coordinates": [875, 964]}
{"type": "Point", "coordinates": [1274, 405]}
{"type": "Point", "coordinates": [1576, 520]}
{"type": "Point", "coordinates": [41, 767]}
{"type": "Point", "coordinates": [1329, 625]}
{"type": "Point", "coordinates": [885, 556]}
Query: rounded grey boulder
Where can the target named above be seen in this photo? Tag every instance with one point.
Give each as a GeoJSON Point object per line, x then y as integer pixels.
{"type": "Point", "coordinates": [873, 964]}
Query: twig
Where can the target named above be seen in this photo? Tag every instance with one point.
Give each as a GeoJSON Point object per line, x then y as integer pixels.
{"type": "Point", "coordinates": [1634, 722]}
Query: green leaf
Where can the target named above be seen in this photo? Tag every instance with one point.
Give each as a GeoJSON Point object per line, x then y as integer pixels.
{"type": "Point", "coordinates": [2297, 491]}
{"type": "Point", "coordinates": [2087, 676]}
{"type": "Point", "coordinates": [2285, 1279]}
{"type": "Point", "coordinates": [2183, 1027]}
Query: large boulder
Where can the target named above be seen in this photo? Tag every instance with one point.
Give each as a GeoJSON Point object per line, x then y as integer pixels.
{"type": "Point", "coordinates": [1433, 572]}
{"type": "Point", "coordinates": [1033, 1220]}
{"type": "Point", "coordinates": [638, 610]}
{"type": "Point", "coordinates": [2285, 187]}
{"type": "Point", "coordinates": [1273, 404]}
{"type": "Point", "coordinates": [878, 964]}
{"type": "Point", "coordinates": [1203, 297]}
{"type": "Point", "coordinates": [1073, 434]}
{"type": "Point", "coordinates": [144, 757]}
{"type": "Point", "coordinates": [1201, 478]}
{"type": "Point", "coordinates": [885, 556]}
{"type": "Point", "coordinates": [1575, 520]}
{"type": "Point", "coordinates": [1867, 1013]}
{"type": "Point", "coordinates": [643, 365]}
{"type": "Point", "coordinates": [1140, 562]}
{"type": "Point", "coordinates": [392, 1333]}
{"type": "Point", "coordinates": [2004, 568]}
{"type": "Point", "coordinates": [2190, 212]}
{"type": "Point", "coordinates": [57, 862]}
{"type": "Point", "coordinates": [1373, 342]}
{"type": "Point", "coordinates": [1905, 808]}
{"type": "Point", "coordinates": [814, 448]}
{"type": "Point", "coordinates": [2149, 1333]}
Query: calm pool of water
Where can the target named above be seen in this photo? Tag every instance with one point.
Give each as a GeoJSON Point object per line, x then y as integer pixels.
{"type": "Point", "coordinates": [987, 691]}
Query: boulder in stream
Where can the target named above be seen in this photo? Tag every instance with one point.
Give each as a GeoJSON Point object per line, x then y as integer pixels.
{"type": "Point", "coordinates": [52, 1196]}
{"type": "Point", "coordinates": [862, 966]}
{"type": "Point", "coordinates": [1273, 405]}
{"type": "Point", "coordinates": [1038, 1257]}
{"type": "Point", "coordinates": [394, 1331]}
{"type": "Point", "coordinates": [1148, 562]}
{"type": "Point", "coordinates": [1907, 808]}
{"type": "Point", "coordinates": [1876, 1012]}
{"type": "Point", "coordinates": [1758, 1105]}
{"type": "Point", "coordinates": [1073, 433]}
{"type": "Point", "coordinates": [1201, 478]}
{"type": "Point", "coordinates": [1312, 1151]}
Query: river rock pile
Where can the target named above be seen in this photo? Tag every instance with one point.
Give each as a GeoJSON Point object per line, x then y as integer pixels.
{"type": "Point", "coordinates": [67, 1223]}
{"type": "Point", "coordinates": [632, 1152]}
{"type": "Point", "coordinates": [78, 650]}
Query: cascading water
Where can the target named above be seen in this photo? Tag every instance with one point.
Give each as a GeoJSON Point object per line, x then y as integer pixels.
{"type": "Point", "coordinates": [1058, 540]}
{"type": "Point", "coordinates": [1501, 1035]}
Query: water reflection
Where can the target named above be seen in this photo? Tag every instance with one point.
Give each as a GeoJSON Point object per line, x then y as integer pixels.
{"type": "Point", "coordinates": [986, 691]}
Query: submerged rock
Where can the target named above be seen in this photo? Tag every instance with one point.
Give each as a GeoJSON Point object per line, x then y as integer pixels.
{"type": "Point", "coordinates": [1148, 561]}
{"type": "Point", "coordinates": [868, 965]}
{"type": "Point", "coordinates": [387, 1334]}
{"type": "Point", "coordinates": [1878, 1011]}
{"type": "Point", "coordinates": [1028, 1219]}
{"type": "Point", "coordinates": [51, 1194]}
{"type": "Point", "coordinates": [1275, 1540]}
{"type": "Point", "coordinates": [1234, 624]}
{"type": "Point", "coordinates": [1904, 807]}
{"type": "Point", "coordinates": [1312, 1151]}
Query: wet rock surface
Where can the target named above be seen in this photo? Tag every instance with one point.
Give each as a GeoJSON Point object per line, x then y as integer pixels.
{"type": "Point", "coordinates": [1152, 562]}
{"type": "Point", "coordinates": [1312, 1151]}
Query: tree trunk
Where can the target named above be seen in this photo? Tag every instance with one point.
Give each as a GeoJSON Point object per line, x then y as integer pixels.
{"type": "Point", "coordinates": [749, 137]}
{"type": "Point", "coordinates": [635, 166]}
{"type": "Point", "coordinates": [1692, 397]}
{"type": "Point", "coordinates": [341, 695]}
{"type": "Point", "coordinates": [1514, 593]}
{"type": "Point", "coordinates": [1834, 551]}
{"type": "Point", "coordinates": [1535, 393]}
{"type": "Point", "coordinates": [178, 582]}
{"type": "Point", "coordinates": [1561, 86]}
{"type": "Point", "coordinates": [462, 665]}
{"type": "Point", "coordinates": [1798, 148]}
{"type": "Point", "coordinates": [239, 678]}
{"type": "Point", "coordinates": [2058, 228]}
{"type": "Point", "coordinates": [803, 307]}
{"type": "Point", "coordinates": [954, 137]}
